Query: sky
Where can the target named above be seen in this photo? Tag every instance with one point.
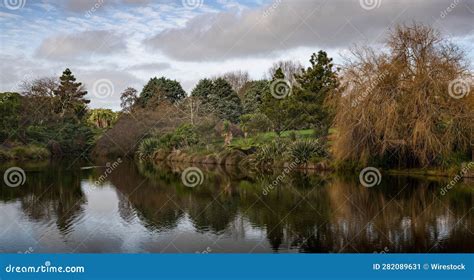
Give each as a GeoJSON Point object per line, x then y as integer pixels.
{"type": "Point", "coordinates": [110, 45]}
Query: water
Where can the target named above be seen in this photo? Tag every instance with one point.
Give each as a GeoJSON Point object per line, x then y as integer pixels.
{"type": "Point", "coordinates": [141, 208]}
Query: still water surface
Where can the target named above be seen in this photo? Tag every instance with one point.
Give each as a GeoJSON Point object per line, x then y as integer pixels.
{"type": "Point", "coordinates": [141, 208]}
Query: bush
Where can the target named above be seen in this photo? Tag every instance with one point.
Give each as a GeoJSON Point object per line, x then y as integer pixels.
{"type": "Point", "coordinates": [271, 151]}
{"type": "Point", "coordinates": [29, 152]}
{"type": "Point", "coordinates": [148, 147]}
{"type": "Point", "coordinates": [303, 150]}
{"type": "Point", "coordinates": [255, 123]}
{"type": "Point", "coordinates": [5, 155]}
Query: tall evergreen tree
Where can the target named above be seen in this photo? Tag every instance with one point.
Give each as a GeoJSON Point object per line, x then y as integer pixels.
{"type": "Point", "coordinates": [276, 108]}
{"type": "Point", "coordinates": [225, 101]}
{"type": "Point", "coordinates": [202, 90]}
{"type": "Point", "coordinates": [161, 89]}
{"type": "Point", "coordinates": [219, 98]}
{"type": "Point", "coordinates": [314, 85]}
{"type": "Point", "coordinates": [253, 96]}
{"type": "Point", "coordinates": [70, 96]}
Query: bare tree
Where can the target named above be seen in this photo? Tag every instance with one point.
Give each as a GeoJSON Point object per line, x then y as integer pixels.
{"type": "Point", "coordinates": [237, 79]}
{"type": "Point", "coordinates": [290, 69]}
{"type": "Point", "coordinates": [399, 104]}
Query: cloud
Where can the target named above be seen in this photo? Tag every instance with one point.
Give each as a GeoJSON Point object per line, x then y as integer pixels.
{"type": "Point", "coordinates": [87, 43]}
{"type": "Point", "coordinates": [150, 66]}
{"type": "Point", "coordinates": [113, 83]}
{"type": "Point", "coordinates": [285, 25]}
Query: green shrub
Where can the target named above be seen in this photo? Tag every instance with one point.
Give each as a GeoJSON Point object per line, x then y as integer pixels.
{"type": "Point", "coordinates": [5, 155]}
{"type": "Point", "coordinates": [303, 150]}
{"type": "Point", "coordinates": [275, 149]}
{"type": "Point", "coordinates": [255, 123]}
{"type": "Point", "coordinates": [147, 148]}
{"type": "Point", "coordinates": [30, 152]}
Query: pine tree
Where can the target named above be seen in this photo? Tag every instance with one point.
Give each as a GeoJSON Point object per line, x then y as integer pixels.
{"type": "Point", "coordinates": [276, 108]}
{"type": "Point", "coordinates": [225, 101]}
{"type": "Point", "coordinates": [70, 96]}
{"type": "Point", "coordinates": [314, 85]}
{"type": "Point", "coordinates": [253, 96]}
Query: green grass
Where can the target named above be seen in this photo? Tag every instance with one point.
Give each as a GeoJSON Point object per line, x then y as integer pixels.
{"type": "Point", "coordinates": [269, 136]}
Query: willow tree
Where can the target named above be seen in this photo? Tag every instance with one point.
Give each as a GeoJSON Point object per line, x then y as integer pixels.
{"type": "Point", "coordinates": [407, 106]}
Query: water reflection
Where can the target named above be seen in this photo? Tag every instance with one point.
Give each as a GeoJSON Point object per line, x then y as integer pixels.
{"type": "Point", "coordinates": [142, 208]}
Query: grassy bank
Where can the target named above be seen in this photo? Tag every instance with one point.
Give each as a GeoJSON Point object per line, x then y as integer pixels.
{"type": "Point", "coordinates": [27, 152]}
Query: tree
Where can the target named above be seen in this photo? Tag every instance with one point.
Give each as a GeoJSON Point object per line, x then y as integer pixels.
{"type": "Point", "coordinates": [253, 95]}
{"type": "Point", "coordinates": [203, 89]}
{"type": "Point", "coordinates": [314, 85]}
{"type": "Point", "coordinates": [289, 67]}
{"type": "Point", "coordinates": [161, 89]}
{"type": "Point", "coordinates": [396, 108]}
{"type": "Point", "coordinates": [128, 99]}
{"type": "Point", "coordinates": [274, 106]}
{"type": "Point", "coordinates": [219, 98]}
{"type": "Point", "coordinates": [237, 79]}
{"type": "Point", "coordinates": [224, 101]}
{"type": "Point", "coordinates": [102, 118]}
{"type": "Point", "coordinates": [10, 114]}
{"type": "Point", "coordinates": [70, 96]}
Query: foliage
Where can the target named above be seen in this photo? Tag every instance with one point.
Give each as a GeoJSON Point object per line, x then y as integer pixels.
{"type": "Point", "coordinates": [220, 98]}
{"type": "Point", "coordinates": [303, 150]}
{"type": "Point", "coordinates": [314, 85]}
{"type": "Point", "coordinates": [276, 109]}
{"type": "Point", "coordinates": [123, 138]}
{"type": "Point", "coordinates": [396, 105]}
{"type": "Point", "coordinates": [33, 152]}
{"type": "Point", "coordinates": [70, 96]}
{"type": "Point", "coordinates": [148, 147]}
{"type": "Point", "coordinates": [255, 123]}
{"type": "Point", "coordinates": [158, 90]}
{"type": "Point", "coordinates": [290, 68]}
{"type": "Point", "coordinates": [102, 118]}
{"type": "Point", "coordinates": [272, 150]}
{"type": "Point", "coordinates": [253, 95]}
{"type": "Point", "coordinates": [128, 99]}
{"type": "Point", "coordinates": [10, 114]}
